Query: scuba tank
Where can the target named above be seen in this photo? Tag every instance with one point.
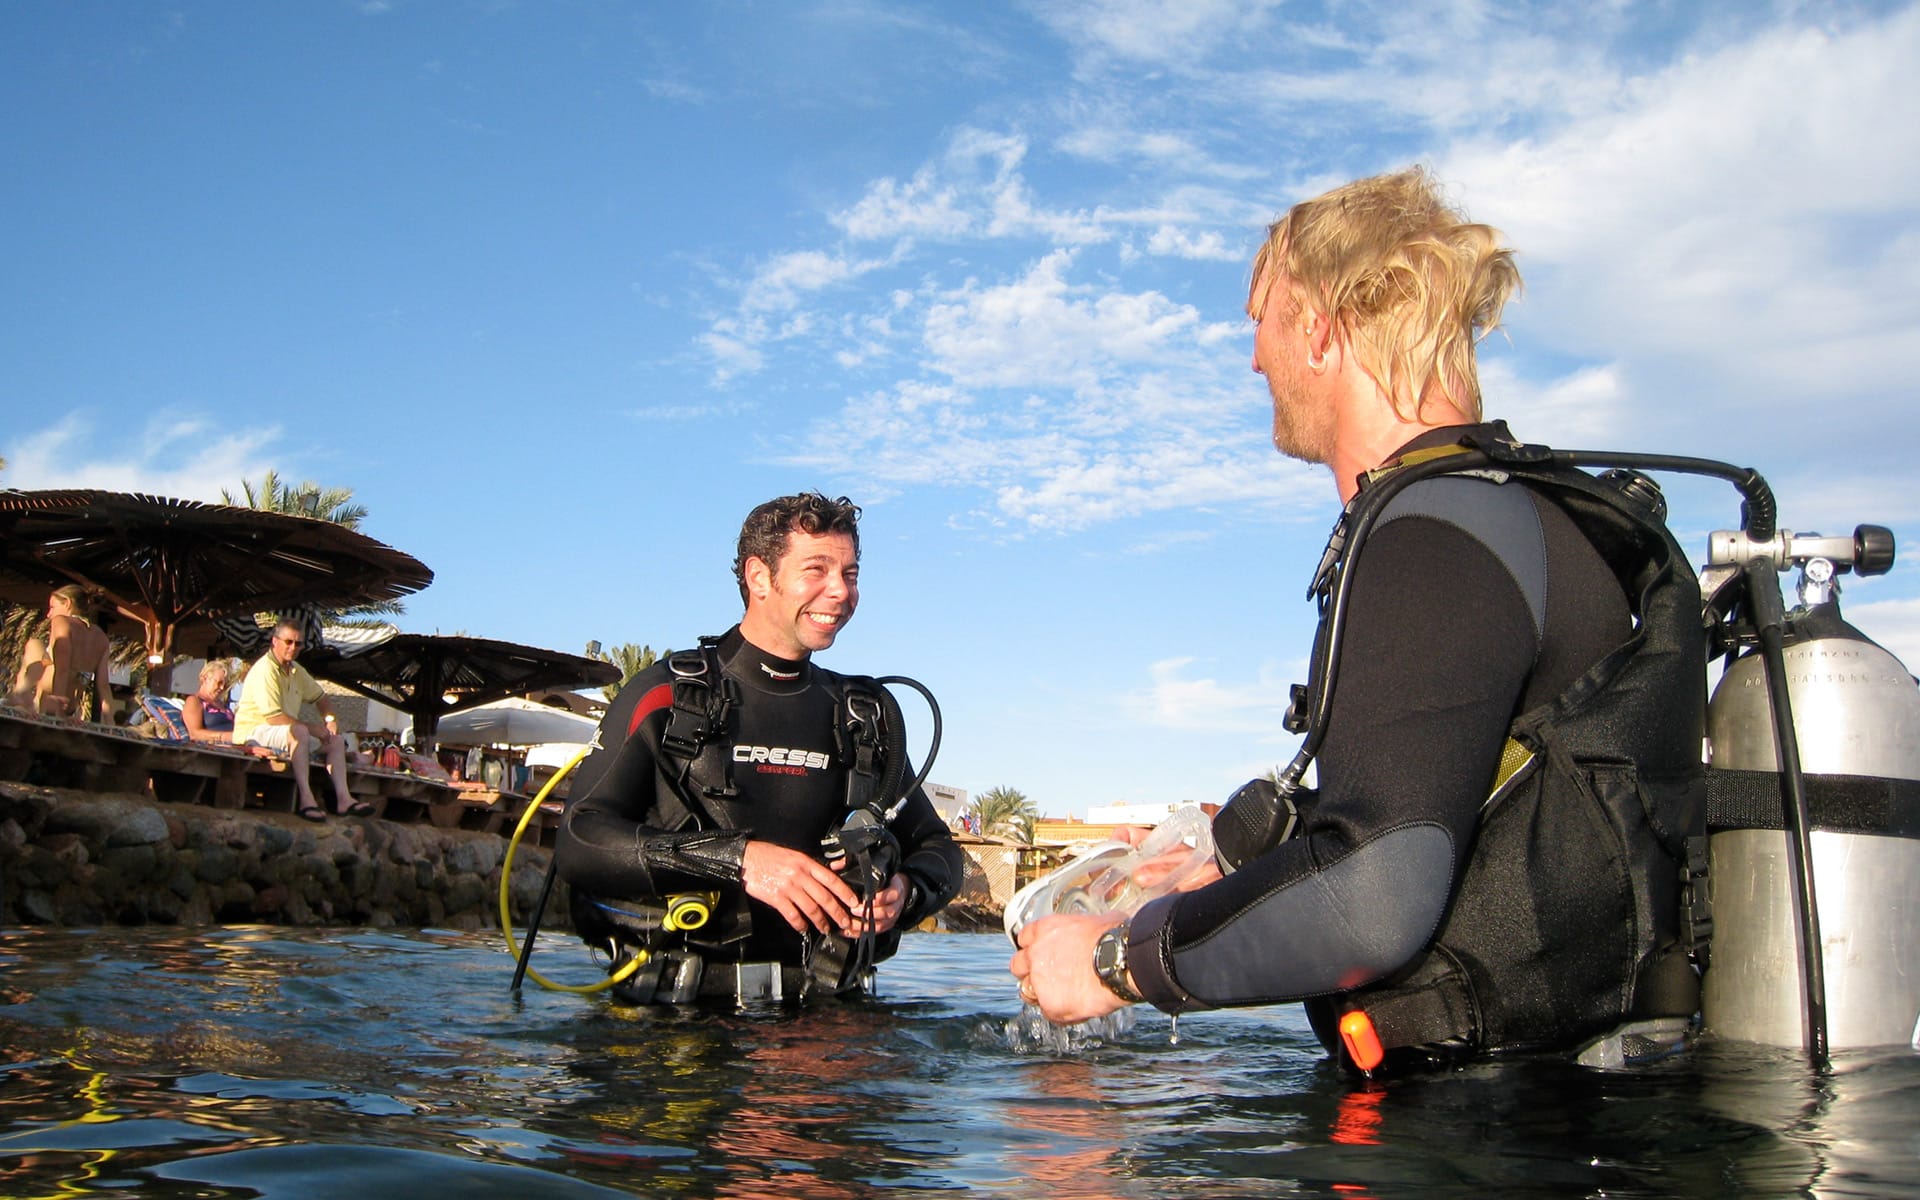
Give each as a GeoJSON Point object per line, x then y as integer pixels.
{"type": "Point", "coordinates": [1855, 722]}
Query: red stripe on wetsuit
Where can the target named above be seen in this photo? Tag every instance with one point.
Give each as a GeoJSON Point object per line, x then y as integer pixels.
{"type": "Point", "coordinates": [655, 700]}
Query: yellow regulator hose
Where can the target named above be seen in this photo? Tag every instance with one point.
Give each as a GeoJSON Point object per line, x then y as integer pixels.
{"type": "Point", "coordinates": [506, 879]}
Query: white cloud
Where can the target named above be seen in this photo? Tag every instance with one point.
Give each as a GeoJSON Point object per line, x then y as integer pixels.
{"type": "Point", "coordinates": [996, 335]}
{"type": "Point", "coordinates": [677, 413]}
{"type": "Point", "coordinates": [674, 90]}
{"type": "Point", "coordinates": [1585, 409]}
{"type": "Point", "coordinates": [1041, 331]}
{"type": "Point", "coordinates": [1174, 700]}
{"type": "Point", "coordinates": [1834, 497]}
{"type": "Point", "coordinates": [1696, 235]}
{"type": "Point", "coordinates": [1155, 474]}
{"type": "Point", "coordinates": [921, 207]}
{"type": "Point", "coordinates": [783, 281]}
{"type": "Point", "coordinates": [1015, 215]}
{"type": "Point", "coordinates": [1153, 444]}
{"type": "Point", "coordinates": [174, 455]}
{"type": "Point", "coordinates": [1895, 624]}
{"type": "Point", "coordinates": [977, 189]}
{"type": "Point", "coordinates": [1150, 31]}
{"type": "Point", "coordinates": [734, 346]}
{"type": "Point", "coordinates": [1117, 143]}
{"type": "Point", "coordinates": [1179, 243]}
{"type": "Point", "coordinates": [1752, 211]}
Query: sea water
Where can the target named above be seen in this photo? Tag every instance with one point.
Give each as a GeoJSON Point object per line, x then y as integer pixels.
{"type": "Point", "coordinates": [279, 1063]}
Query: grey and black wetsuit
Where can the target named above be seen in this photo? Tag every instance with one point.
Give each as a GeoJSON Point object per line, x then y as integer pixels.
{"type": "Point", "coordinates": [617, 841]}
{"type": "Point", "coordinates": [1473, 603]}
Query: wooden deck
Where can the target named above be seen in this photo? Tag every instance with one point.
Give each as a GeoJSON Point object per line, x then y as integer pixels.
{"type": "Point", "coordinates": [76, 754]}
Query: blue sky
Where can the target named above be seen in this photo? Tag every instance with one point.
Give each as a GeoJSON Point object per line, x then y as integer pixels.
{"type": "Point", "coordinates": [562, 289]}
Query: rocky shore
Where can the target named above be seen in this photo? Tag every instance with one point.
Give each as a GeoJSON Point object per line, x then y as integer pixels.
{"type": "Point", "coordinates": [71, 857]}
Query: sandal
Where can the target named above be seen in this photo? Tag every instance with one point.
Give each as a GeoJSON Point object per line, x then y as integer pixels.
{"type": "Point", "coordinates": [312, 812]}
{"type": "Point", "coordinates": [359, 808]}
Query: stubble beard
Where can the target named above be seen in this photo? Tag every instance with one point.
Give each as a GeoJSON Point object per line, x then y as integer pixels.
{"type": "Point", "coordinates": [1295, 433]}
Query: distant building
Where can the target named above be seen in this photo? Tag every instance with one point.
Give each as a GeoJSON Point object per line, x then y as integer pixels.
{"type": "Point", "coordinates": [1130, 814]}
{"type": "Point", "coordinates": [1098, 827]}
{"type": "Point", "coordinates": [1065, 831]}
{"type": "Point", "coordinates": [949, 802]}
{"type": "Point", "coordinates": [587, 704]}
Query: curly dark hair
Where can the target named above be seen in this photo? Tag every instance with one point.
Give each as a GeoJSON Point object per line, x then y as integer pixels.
{"type": "Point", "coordinates": [767, 529]}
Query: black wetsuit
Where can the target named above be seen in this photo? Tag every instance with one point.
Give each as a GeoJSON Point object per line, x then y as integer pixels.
{"type": "Point", "coordinates": [1472, 603]}
{"type": "Point", "coordinates": [792, 791]}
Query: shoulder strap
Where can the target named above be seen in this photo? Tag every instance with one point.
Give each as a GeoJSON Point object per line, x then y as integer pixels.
{"type": "Point", "coordinates": [867, 716]}
{"type": "Point", "coordinates": [695, 739]}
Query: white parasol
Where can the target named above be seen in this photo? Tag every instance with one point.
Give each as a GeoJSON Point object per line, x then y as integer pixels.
{"type": "Point", "coordinates": [513, 722]}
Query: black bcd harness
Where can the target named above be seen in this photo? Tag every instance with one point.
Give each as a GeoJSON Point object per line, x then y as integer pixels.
{"type": "Point", "coordinates": [696, 765]}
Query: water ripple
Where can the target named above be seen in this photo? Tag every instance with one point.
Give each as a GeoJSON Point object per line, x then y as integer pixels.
{"type": "Point", "coordinates": [287, 1063]}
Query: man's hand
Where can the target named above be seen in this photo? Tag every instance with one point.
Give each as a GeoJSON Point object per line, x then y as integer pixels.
{"type": "Point", "coordinates": [804, 891]}
{"type": "Point", "coordinates": [1055, 967]}
{"type": "Point", "coordinates": [1149, 874]}
{"type": "Point", "coordinates": [888, 903]}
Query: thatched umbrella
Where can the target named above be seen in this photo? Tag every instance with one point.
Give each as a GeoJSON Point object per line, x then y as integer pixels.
{"type": "Point", "coordinates": [166, 562]}
{"type": "Point", "coordinates": [428, 676]}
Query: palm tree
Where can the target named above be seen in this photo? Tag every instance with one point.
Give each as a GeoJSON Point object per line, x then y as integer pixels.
{"type": "Point", "coordinates": [309, 499]}
{"type": "Point", "coordinates": [18, 622]}
{"type": "Point", "coordinates": [631, 660]}
{"type": "Point", "coordinates": [1005, 812]}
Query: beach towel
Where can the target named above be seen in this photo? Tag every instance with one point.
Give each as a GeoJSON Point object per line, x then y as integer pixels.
{"type": "Point", "coordinates": [164, 715]}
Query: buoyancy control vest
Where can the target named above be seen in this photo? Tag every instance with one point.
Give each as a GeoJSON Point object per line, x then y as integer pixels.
{"type": "Point", "coordinates": [1582, 903]}
{"type": "Point", "coordinates": [695, 763]}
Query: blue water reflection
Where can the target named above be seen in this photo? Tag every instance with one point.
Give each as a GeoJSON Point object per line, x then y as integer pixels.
{"type": "Point", "coordinates": [269, 1062]}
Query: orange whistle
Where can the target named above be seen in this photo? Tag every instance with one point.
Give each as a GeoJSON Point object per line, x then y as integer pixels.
{"type": "Point", "coordinates": [1362, 1043]}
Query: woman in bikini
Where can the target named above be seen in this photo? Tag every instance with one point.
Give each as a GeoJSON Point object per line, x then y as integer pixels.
{"type": "Point", "coordinates": [66, 675]}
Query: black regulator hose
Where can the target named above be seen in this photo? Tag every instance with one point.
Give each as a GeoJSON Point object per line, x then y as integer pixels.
{"type": "Point", "coordinates": [1769, 622]}
{"type": "Point", "coordinates": [897, 740]}
{"type": "Point", "coordinates": [1759, 514]}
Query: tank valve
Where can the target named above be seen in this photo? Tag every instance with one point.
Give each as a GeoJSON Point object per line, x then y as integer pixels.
{"type": "Point", "coordinates": [1868, 552]}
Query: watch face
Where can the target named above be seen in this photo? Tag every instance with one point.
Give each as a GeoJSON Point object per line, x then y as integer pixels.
{"type": "Point", "coordinates": [1110, 963]}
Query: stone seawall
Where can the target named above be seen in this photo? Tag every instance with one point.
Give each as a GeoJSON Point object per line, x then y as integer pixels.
{"type": "Point", "coordinates": [93, 858]}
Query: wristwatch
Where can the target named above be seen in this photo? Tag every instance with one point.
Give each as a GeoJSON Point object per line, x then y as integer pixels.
{"type": "Point", "coordinates": [1110, 963]}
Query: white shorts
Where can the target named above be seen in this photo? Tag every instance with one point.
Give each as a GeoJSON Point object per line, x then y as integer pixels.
{"type": "Point", "coordinates": [278, 737]}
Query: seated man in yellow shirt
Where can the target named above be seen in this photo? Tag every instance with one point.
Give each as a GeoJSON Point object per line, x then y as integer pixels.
{"type": "Point", "coordinates": [276, 691]}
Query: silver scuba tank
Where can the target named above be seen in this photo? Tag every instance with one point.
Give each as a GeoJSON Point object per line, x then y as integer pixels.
{"type": "Point", "coordinates": [1856, 713]}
